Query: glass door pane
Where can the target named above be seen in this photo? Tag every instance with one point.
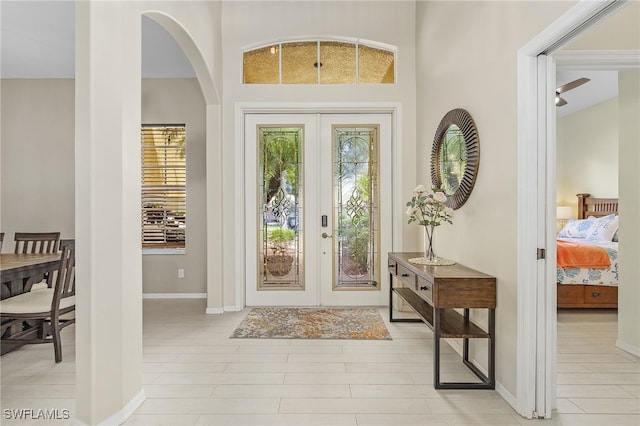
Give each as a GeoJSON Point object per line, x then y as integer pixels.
{"type": "Point", "coordinates": [355, 206]}
{"type": "Point", "coordinates": [280, 225]}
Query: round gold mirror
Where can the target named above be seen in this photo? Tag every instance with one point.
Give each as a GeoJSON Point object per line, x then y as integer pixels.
{"type": "Point", "coordinates": [455, 156]}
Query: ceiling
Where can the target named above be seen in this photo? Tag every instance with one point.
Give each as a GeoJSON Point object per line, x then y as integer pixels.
{"type": "Point", "coordinates": [603, 86]}
{"type": "Point", "coordinates": [38, 41]}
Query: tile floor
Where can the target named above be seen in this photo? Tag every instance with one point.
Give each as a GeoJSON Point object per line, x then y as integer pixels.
{"type": "Point", "coordinates": [195, 375]}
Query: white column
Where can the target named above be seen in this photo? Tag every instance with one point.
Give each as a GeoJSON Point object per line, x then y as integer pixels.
{"type": "Point", "coordinates": [109, 266]}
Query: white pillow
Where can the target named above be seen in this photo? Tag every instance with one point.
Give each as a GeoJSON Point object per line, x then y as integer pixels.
{"type": "Point", "coordinates": [603, 228]}
{"type": "Point", "coordinates": [577, 228]}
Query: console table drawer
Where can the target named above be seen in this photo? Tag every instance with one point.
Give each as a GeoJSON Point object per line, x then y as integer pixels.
{"type": "Point", "coordinates": [406, 276]}
{"type": "Point", "coordinates": [425, 289]}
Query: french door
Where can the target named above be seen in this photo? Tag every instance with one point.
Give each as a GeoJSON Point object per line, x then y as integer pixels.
{"type": "Point", "coordinates": [318, 212]}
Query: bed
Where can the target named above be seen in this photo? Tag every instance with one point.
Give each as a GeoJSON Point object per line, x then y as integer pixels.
{"type": "Point", "coordinates": [581, 287]}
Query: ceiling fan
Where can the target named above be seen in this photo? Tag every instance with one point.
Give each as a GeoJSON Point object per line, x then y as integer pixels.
{"type": "Point", "coordinates": [566, 87]}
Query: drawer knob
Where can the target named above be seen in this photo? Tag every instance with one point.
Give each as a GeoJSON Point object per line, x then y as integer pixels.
{"type": "Point", "coordinates": [405, 275]}
{"type": "Point", "coordinates": [594, 294]}
{"type": "Point", "coordinates": [424, 287]}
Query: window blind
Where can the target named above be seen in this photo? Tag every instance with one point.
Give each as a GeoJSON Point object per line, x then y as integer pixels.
{"type": "Point", "coordinates": [164, 186]}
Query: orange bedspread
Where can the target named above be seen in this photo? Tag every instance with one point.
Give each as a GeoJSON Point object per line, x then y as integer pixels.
{"type": "Point", "coordinates": [573, 255]}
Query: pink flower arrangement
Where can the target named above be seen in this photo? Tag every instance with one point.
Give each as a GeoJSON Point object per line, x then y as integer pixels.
{"type": "Point", "coordinates": [428, 208]}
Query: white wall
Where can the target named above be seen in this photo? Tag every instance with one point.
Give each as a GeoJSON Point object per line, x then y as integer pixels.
{"type": "Point", "coordinates": [617, 32]}
{"type": "Point", "coordinates": [467, 59]}
{"type": "Point", "coordinates": [38, 168]}
{"type": "Point", "coordinates": [180, 101]}
{"type": "Point", "coordinates": [587, 148]}
{"type": "Point", "coordinates": [246, 24]}
{"type": "Point", "coordinates": [37, 157]}
{"type": "Point", "coordinates": [195, 25]}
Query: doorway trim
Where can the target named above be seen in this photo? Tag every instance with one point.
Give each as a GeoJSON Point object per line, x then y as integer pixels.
{"type": "Point", "coordinates": [244, 108]}
{"type": "Point", "coordinates": [537, 321]}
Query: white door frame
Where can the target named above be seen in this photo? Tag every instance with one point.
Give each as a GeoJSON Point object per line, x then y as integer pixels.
{"type": "Point", "coordinates": [244, 108]}
{"type": "Point", "coordinates": [537, 321]}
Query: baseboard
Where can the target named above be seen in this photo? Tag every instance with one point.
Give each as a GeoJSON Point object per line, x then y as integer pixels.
{"type": "Point", "coordinates": [174, 295]}
{"type": "Point", "coordinates": [217, 311]}
{"type": "Point", "coordinates": [507, 396]}
{"type": "Point", "coordinates": [233, 308]}
{"type": "Point", "coordinates": [501, 390]}
{"type": "Point", "coordinates": [121, 416]}
{"type": "Point", "coordinates": [633, 350]}
{"type": "Point", "coordinates": [456, 345]}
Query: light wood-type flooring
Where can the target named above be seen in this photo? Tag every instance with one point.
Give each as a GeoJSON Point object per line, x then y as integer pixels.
{"type": "Point", "coordinates": [195, 375]}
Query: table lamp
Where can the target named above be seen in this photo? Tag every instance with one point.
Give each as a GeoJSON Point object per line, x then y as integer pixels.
{"type": "Point", "coordinates": [563, 214]}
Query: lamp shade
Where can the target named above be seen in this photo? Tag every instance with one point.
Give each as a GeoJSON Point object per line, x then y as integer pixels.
{"type": "Point", "coordinates": [564, 212]}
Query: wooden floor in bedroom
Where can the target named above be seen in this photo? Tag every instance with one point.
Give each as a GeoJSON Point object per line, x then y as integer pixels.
{"type": "Point", "coordinates": [594, 376]}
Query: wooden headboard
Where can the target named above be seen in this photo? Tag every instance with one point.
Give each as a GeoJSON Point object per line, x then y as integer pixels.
{"type": "Point", "coordinates": [597, 207]}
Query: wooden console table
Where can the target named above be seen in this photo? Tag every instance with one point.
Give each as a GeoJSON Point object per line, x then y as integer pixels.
{"type": "Point", "coordinates": [434, 292]}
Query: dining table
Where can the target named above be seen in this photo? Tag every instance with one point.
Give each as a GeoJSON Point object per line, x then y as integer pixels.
{"type": "Point", "coordinates": [18, 273]}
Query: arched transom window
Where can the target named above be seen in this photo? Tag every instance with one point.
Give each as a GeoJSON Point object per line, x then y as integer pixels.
{"type": "Point", "coordinates": [319, 62]}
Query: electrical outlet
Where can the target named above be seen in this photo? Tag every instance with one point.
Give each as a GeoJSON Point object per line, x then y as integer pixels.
{"type": "Point", "coordinates": [180, 273]}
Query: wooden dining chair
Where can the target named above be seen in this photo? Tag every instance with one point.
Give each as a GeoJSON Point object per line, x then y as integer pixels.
{"type": "Point", "coordinates": [36, 242]}
{"type": "Point", "coordinates": [40, 315]}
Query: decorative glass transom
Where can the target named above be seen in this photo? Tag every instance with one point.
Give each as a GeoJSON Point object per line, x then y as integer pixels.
{"type": "Point", "coordinates": [280, 222]}
{"type": "Point", "coordinates": [319, 62]}
{"type": "Point", "coordinates": [356, 198]}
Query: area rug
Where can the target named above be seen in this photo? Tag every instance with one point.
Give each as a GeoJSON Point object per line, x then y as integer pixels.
{"type": "Point", "coordinates": [313, 323]}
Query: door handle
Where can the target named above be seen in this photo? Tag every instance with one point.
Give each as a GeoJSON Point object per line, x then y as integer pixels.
{"type": "Point", "coordinates": [325, 235]}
